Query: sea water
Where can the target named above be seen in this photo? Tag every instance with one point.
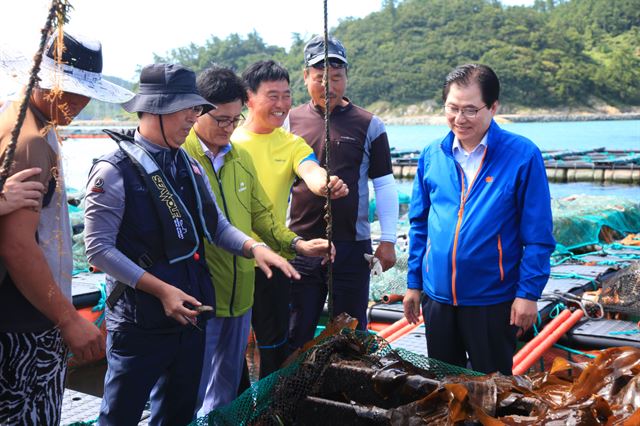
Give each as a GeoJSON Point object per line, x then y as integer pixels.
{"type": "Point", "coordinates": [565, 135]}
{"type": "Point", "coordinates": [613, 135]}
{"type": "Point", "coordinates": [569, 135]}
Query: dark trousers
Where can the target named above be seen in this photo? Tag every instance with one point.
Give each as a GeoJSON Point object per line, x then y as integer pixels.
{"type": "Point", "coordinates": [351, 276]}
{"type": "Point", "coordinates": [477, 335]}
{"type": "Point", "coordinates": [270, 319]}
{"type": "Point", "coordinates": [167, 366]}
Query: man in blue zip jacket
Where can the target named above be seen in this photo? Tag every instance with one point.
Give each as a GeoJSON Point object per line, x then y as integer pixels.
{"type": "Point", "coordinates": [481, 231]}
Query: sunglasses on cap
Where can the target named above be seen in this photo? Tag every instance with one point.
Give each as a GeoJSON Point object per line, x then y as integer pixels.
{"type": "Point", "coordinates": [333, 63]}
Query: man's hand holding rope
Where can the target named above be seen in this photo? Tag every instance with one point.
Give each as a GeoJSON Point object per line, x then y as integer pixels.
{"type": "Point", "coordinates": [339, 189]}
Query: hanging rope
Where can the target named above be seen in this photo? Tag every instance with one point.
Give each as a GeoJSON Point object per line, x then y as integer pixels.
{"type": "Point", "coordinates": [57, 15]}
{"type": "Point", "coordinates": [327, 150]}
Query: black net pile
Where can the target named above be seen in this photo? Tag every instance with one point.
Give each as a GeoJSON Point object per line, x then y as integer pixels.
{"type": "Point", "coordinates": [348, 378]}
{"type": "Point", "coordinates": [356, 379]}
{"type": "Point", "coordinates": [621, 292]}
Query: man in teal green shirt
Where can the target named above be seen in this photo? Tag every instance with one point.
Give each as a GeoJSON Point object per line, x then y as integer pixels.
{"type": "Point", "coordinates": [246, 205]}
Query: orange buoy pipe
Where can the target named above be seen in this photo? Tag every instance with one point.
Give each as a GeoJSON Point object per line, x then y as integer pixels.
{"type": "Point", "coordinates": [404, 330]}
{"type": "Point", "coordinates": [377, 326]}
{"type": "Point", "coordinates": [537, 352]}
{"type": "Point", "coordinates": [393, 327]}
{"type": "Point", "coordinates": [547, 330]}
{"type": "Point", "coordinates": [392, 298]}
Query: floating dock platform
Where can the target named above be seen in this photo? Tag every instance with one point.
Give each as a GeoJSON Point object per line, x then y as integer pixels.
{"type": "Point", "coordinates": [593, 165]}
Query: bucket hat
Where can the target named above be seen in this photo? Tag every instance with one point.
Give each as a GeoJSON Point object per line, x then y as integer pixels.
{"type": "Point", "coordinates": [165, 89]}
{"type": "Point", "coordinates": [78, 71]}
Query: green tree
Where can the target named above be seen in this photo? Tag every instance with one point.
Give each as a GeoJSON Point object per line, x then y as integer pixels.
{"type": "Point", "coordinates": [553, 53]}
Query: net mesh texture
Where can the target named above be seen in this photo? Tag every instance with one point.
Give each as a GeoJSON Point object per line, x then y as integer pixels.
{"type": "Point", "coordinates": [280, 398]}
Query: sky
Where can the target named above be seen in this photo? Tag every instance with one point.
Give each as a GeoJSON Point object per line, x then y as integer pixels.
{"type": "Point", "coordinates": [131, 31]}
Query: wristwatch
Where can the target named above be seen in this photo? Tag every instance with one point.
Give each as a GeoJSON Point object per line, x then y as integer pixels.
{"type": "Point", "coordinates": [254, 245]}
{"type": "Point", "coordinates": [294, 241]}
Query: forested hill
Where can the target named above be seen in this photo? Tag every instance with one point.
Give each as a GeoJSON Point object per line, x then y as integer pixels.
{"type": "Point", "coordinates": [552, 54]}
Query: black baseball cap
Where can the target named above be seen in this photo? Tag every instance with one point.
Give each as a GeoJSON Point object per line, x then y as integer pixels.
{"type": "Point", "coordinates": [314, 51]}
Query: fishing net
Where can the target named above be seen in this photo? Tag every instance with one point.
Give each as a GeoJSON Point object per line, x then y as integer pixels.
{"type": "Point", "coordinates": [355, 378]}
{"type": "Point", "coordinates": [393, 281]}
{"type": "Point", "coordinates": [76, 216]}
{"type": "Point", "coordinates": [621, 292]}
{"type": "Point", "coordinates": [589, 157]}
{"type": "Point", "coordinates": [584, 220]}
{"type": "Point", "coordinates": [343, 367]}
{"type": "Point", "coordinates": [80, 262]}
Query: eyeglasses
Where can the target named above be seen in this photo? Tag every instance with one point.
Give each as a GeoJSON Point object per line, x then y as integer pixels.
{"type": "Point", "coordinates": [196, 109]}
{"type": "Point", "coordinates": [225, 122]}
{"type": "Point", "coordinates": [466, 112]}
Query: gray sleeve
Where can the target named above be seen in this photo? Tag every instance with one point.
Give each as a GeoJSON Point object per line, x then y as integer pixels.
{"type": "Point", "coordinates": [104, 208]}
{"type": "Point", "coordinates": [227, 236]}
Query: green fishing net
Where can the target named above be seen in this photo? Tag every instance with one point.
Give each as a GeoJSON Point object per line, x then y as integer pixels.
{"type": "Point", "coordinates": [393, 281]}
{"type": "Point", "coordinates": [584, 220]}
{"type": "Point", "coordinates": [281, 397]}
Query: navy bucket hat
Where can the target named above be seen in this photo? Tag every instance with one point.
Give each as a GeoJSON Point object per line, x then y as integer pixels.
{"type": "Point", "coordinates": [165, 89]}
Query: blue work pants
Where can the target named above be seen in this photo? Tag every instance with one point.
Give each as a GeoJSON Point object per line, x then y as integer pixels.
{"type": "Point", "coordinates": [162, 367]}
{"type": "Point", "coordinates": [224, 358]}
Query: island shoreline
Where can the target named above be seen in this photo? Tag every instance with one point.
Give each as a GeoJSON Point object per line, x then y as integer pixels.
{"type": "Point", "coordinates": [436, 119]}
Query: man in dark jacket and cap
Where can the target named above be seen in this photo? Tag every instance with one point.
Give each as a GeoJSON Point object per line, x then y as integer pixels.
{"type": "Point", "coordinates": [148, 212]}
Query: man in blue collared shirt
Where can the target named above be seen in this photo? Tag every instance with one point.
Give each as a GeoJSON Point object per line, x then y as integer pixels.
{"type": "Point", "coordinates": [469, 160]}
{"type": "Point", "coordinates": [480, 236]}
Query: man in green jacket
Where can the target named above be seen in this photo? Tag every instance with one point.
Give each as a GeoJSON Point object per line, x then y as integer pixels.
{"type": "Point", "coordinates": [246, 205]}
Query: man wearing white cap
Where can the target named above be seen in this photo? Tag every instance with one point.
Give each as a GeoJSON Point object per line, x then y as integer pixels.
{"type": "Point", "coordinates": [38, 323]}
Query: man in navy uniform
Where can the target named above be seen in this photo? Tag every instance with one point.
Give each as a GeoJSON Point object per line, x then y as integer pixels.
{"type": "Point", "coordinates": [148, 212]}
